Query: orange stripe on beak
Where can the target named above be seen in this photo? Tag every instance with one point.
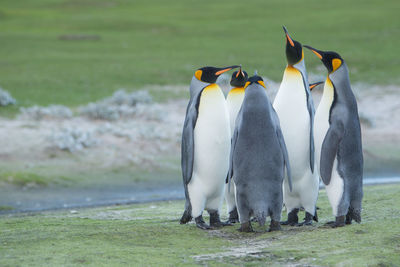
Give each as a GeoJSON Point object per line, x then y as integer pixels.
{"type": "Point", "coordinates": [289, 39]}
{"type": "Point", "coordinates": [318, 54]}
{"type": "Point", "coordinates": [222, 71]}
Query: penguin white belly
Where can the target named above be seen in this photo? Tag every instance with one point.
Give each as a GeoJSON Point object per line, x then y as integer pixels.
{"type": "Point", "coordinates": [234, 102]}
{"type": "Point", "coordinates": [212, 142]}
{"type": "Point", "coordinates": [334, 189]}
{"type": "Point", "coordinates": [291, 106]}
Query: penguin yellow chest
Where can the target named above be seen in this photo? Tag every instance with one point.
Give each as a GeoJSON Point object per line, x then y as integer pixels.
{"type": "Point", "coordinates": [212, 139]}
{"type": "Point", "coordinates": [234, 102]}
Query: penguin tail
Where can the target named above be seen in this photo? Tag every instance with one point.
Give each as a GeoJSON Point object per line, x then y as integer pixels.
{"type": "Point", "coordinates": [261, 218]}
{"type": "Point", "coordinates": [186, 217]}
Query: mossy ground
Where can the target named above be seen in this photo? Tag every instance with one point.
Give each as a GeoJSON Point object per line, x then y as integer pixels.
{"type": "Point", "coordinates": [149, 235]}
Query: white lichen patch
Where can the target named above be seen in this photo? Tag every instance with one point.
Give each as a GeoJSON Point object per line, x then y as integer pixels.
{"type": "Point", "coordinates": [6, 98]}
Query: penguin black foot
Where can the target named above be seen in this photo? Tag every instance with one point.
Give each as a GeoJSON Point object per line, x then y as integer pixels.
{"type": "Point", "coordinates": [233, 217]}
{"type": "Point", "coordinates": [353, 214]}
{"type": "Point", "coordinates": [293, 219]}
{"type": "Point", "coordinates": [315, 217]}
{"type": "Point", "coordinates": [307, 220]}
{"type": "Point", "coordinates": [215, 221]}
{"type": "Point", "coordinates": [339, 222]}
{"type": "Point", "coordinates": [186, 217]}
{"type": "Point", "coordinates": [274, 226]}
{"type": "Point", "coordinates": [246, 227]}
{"type": "Point", "coordinates": [200, 223]}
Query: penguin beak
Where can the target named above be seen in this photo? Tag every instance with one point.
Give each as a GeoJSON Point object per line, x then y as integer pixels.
{"type": "Point", "coordinates": [240, 72]}
{"type": "Point", "coordinates": [319, 53]}
{"type": "Point", "coordinates": [288, 38]}
{"type": "Point", "coordinates": [223, 70]}
{"type": "Point", "coordinates": [312, 85]}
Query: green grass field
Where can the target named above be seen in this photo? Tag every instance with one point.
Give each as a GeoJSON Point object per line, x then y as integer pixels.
{"type": "Point", "coordinates": [75, 51]}
{"type": "Point", "coordinates": [150, 235]}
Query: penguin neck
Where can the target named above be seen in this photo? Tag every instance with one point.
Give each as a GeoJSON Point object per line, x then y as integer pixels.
{"type": "Point", "coordinates": [328, 95]}
{"type": "Point", "coordinates": [237, 90]}
{"type": "Point", "coordinates": [196, 86]}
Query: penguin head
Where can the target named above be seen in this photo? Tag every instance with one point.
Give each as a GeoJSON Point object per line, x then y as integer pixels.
{"type": "Point", "coordinates": [331, 60]}
{"type": "Point", "coordinates": [210, 74]}
{"type": "Point", "coordinates": [239, 78]}
{"type": "Point", "coordinates": [256, 80]}
{"type": "Point", "coordinates": [294, 50]}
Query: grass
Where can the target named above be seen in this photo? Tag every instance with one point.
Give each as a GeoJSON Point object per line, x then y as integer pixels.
{"type": "Point", "coordinates": [149, 235]}
{"type": "Point", "coordinates": [74, 51]}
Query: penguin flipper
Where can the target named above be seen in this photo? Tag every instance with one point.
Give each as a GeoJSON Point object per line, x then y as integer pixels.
{"type": "Point", "coordinates": [233, 145]}
{"type": "Point", "coordinates": [285, 156]}
{"type": "Point", "coordinates": [329, 151]}
{"type": "Point", "coordinates": [187, 147]}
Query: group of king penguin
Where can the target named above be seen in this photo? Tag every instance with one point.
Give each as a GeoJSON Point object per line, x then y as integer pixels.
{"type": "Point", "coordinates": [260, 156]}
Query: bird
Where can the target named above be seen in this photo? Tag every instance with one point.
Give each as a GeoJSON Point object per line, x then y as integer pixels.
{"type": "Point", "coordinates": [206, 143]}
{"type": "Point", "coordinates": [338, 141]}
{"type": "Point", "coordinates": [294, 106]}
{"type": "Point", "coordinates": [234, 101]}
{"type": "Point", "coordinates": [258, 159]}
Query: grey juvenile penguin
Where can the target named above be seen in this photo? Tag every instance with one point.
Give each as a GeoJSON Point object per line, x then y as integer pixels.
{"type": "Point", "coordinates": [338, 141]}
{"type": "Point", "coordinates": [258, 159]}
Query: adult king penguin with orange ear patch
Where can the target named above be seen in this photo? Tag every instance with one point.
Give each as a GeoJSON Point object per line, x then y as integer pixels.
{"type": "Point", "coordinates": [234, 102]}
{"type": "Point", "coordinates": [295, 109]}
{"type": "Point", "coordinates": [338, 141]}
{"type": "Point", "coordinates": [206, 144]}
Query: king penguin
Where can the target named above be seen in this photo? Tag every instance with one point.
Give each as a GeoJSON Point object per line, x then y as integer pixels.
{"type": "Point", "coordinates": [258, 159]}
{"type": "Point", "coordinates": [338, 141]}
{"type": "Point", "coordinates": [234, 102]}
{"type": "Point", "coordinates": [206, 144]}
{"type": "Point", "coordinates": [295, 109]}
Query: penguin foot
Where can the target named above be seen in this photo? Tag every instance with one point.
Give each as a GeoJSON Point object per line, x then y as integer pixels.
{"type": "Point", "coordinates": [315, 217]}
{"type": "Point", "coordinates": [339, 222]}
{"type": "Point", "coordinates": [246, 227]}
{"type": "Point", "coordinates": [200, 223]}
{"type": "Point", "coordinates": [293, 219]}
{"type": "Point", "coordinates": [353, 214]}
{"type": "Point", "coordinates": [307, 220]}
{"type": "Point", "coordinates": [274, 226]}
{"type": "Point", "coordinates": [215, 221]}
{"type": "Point", "coordinates": [233, 217]}
{"type": "Point", "coordinates": [186, 217]}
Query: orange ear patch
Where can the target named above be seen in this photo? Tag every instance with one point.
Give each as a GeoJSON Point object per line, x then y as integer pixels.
{"type": "Point", "coordinates": [198, 74]}
{"type": "Point", "coordinates": [247, 84]}
{"type": "Point", "coordinates": [262, 84]}
{"type": "Point", "coordinates": [336, 63]}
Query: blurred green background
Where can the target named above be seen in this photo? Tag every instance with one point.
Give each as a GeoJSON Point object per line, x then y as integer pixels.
{"type": "Point", "coordinates": [74, 51]}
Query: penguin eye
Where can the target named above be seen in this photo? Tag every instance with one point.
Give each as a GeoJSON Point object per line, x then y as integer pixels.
{"type": "Point", "coordinates": [336, 63]}
{"type": "Point", "coordinates": [198, 74]}
{"type": "Point", "coordinates": [247, 84]}
{"type": "Point", "coordinates": [262, 84]}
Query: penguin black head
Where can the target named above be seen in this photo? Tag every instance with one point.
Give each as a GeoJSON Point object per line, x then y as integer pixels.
{"type": "Point", "coordinates": [239, 78]}
{"type": "Point", "coordinates": [255, 79]}
{"type": "Point", "coordinates": [210, 74]}
{"type": "Point", "coordinates": [294, 50]}
{"type": "Point", "coordinates": [331, 60]}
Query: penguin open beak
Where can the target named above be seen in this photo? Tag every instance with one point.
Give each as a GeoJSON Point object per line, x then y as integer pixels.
{"type": "Point", "coordinates": [288, 38]}
{"type": "Point", "coordinates": [320, 54]}
{"type": "Point", "coordinates": [223, 70]}
{"type": "Point", "coordinates": [312, 85]}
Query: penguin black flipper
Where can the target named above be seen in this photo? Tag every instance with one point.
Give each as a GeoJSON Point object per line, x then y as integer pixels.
{"type": "Point", "coordinates": [187, 151]}
{"type": "Point", "coordinates": [233, 145]}
{"type": "Point", "coordinates": [330, 148]}
{"type": "Point", "coordinates": [311, 111]}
